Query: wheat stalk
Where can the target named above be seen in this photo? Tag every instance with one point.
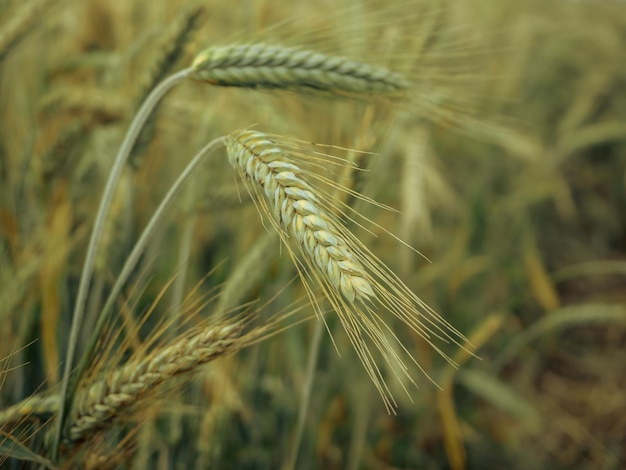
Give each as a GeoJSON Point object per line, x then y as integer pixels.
{"type": "Point", "coordinates": [109, 397]}
{"type": "Point", "coordinates": [358, 285]}
{"type": "Point", "coordinates": [279, 67]}
{"type": "Point", "coordinates": [96, 235]}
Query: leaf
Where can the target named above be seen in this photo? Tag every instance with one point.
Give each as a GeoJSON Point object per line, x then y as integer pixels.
{"type": "Point", "coordinates": [565, 317]}
{"type": "Point", "coordinates": [12, 448]}
{"type": "Point", "coordinates": [591, 268]}
{"type": "Point", "coordinates": [453, 436]}
{"type": "Point", "coordinates": [501, 396]}
{"type": "Point", "coordinates": [55, 261]}
{"type": "Point", "coordinates": [540, 283]}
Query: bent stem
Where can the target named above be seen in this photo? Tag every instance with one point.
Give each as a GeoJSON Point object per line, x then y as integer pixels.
{"type": "Point", "coordinates": [137, 251]}
{"type": "Point", "coordinates": [105, 203]}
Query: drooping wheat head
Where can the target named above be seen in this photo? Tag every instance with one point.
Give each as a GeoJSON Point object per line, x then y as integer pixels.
{"type": "Point", "coordinates": [357, 284]}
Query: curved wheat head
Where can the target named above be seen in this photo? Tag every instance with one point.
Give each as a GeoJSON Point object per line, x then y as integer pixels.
{"type": "Point", "coordinates": [360, 288]}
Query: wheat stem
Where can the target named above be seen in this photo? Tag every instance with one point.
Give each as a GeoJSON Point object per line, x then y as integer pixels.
{"type": "Point", "coordinates": [305, 400]}
{"type": "Point", "coordinates": [140, 246]}
{"type": "Point", "coordinates": [107, 196]}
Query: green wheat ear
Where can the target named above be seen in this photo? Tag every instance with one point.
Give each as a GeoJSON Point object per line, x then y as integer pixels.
{"type": "Point", "coordinates": [278, 67]}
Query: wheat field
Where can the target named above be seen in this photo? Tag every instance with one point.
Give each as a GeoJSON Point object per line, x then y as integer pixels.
{"type": "Point", "coordinates": [299, 235]}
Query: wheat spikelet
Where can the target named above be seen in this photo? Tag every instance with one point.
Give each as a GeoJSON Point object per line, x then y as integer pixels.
{"type": "Point", "coordinates": [54, 145]}
{"type": "Point", "coordinates": [357, 284]}
{"type": "Point", "coordinates": [34, 407]}
{"type": "Point", "coordinates": [279, 67]}
{"type": "Point", "coordinates": [114, 394]}
{"type": "Point", "coordinates": [414, 55]}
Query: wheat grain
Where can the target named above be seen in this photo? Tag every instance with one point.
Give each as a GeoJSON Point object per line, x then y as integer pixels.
{"type": "Point", "coordinates": [357, 284]}
{"type": "Point", "coordinates": [109, 397]}
{"type": "Point", "coordinates": [279, 67]}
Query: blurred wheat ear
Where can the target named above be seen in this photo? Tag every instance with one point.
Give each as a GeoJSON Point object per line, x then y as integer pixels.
{"type": "Point", "coordinates": [279, 67]}
{"type": "Point", "coordinates": [328, 256]}
{"type": "Point", "coordinates": [27, 14]}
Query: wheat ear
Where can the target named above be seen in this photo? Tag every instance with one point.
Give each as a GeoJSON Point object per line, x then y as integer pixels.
{"type": "Point", "coordinates": [108, 398]}
{"type": "Point", "coordinates": [358, 285]}
{"type": "Point", "coordinates": [279, 67]}
{"type": "Point", "coordinates": [39, 406]}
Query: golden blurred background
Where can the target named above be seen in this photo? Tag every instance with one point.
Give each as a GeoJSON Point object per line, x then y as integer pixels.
{"type": "Point", "coordinates": [507, 170]}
